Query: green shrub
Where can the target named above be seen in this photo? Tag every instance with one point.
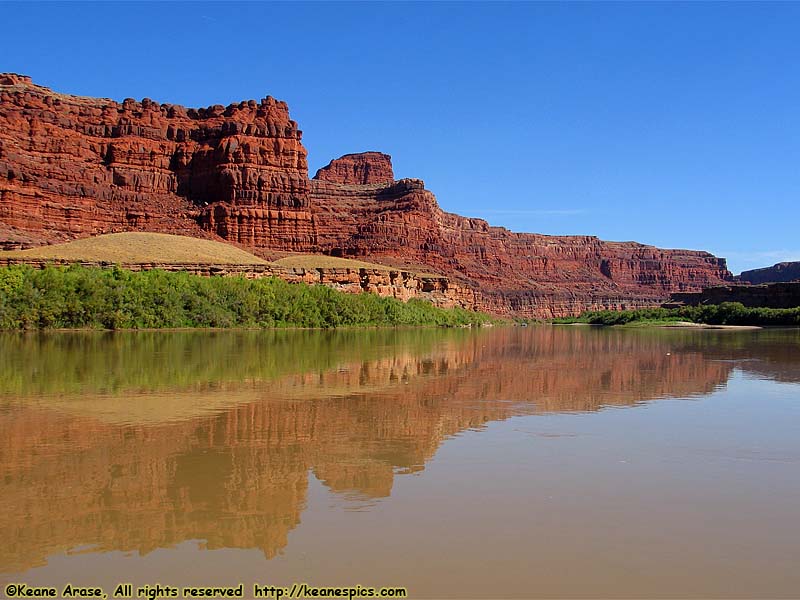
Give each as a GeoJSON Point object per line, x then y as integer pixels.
{"type": "Point", "coordinates": [79, 297]}
{"type": "Point", "coordinates": [727, 313]}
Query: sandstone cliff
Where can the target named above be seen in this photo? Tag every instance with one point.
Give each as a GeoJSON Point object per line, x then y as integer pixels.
{"type": "Point", "coordinates": [785, 271]}
{"type": "Point", "coordinates": [74, 167]}
{"type": "Point", "coordinates": [523, 273]}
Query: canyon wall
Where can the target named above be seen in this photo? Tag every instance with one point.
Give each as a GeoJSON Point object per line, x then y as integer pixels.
{"type": "Point", "coordinates": [527, 274]}
{"type": "Point", "coordinates": [785, 271]}
{"type": "Point", "coordinates": [75, 167]}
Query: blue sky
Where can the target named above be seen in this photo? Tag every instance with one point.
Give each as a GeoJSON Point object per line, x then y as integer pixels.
{"type": "Point", "coordinates": [670, 124]}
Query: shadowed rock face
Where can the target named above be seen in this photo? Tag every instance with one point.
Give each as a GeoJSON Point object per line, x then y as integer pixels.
{"type": "Point", "coordinates": [74, 167]}
{"type": "Point", "coordinates": [764, 295]}
{"type": "Point", "coordinates": [785, 271]}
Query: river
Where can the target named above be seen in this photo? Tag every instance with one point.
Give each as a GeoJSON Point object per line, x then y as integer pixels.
{"type": "Point", "coordinates": [508, 462]}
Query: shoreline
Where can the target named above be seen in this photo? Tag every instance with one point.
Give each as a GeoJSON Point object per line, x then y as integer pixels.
{"type": "Point", "coordinates": [675, 325]}
{"type": "Point", "coordinates": [692, 325]}
{"type": "Point", "coordinates": [289, 328]}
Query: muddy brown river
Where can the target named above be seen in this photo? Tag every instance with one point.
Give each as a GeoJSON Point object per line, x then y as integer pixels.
{"type": "Point", "coordinates": [508, 462]}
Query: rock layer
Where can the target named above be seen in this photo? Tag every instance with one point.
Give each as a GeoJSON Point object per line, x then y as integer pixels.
{"type": "Point", "coordinates": [74, 167]}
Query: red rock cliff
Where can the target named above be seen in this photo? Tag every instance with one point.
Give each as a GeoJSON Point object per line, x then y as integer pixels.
{"type": "Point", "coordinates": [527, 274]}
{"type": "Point", "coordinates": [74, 167]}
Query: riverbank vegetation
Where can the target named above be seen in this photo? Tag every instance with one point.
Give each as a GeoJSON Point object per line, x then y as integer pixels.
{"type": "Point", "coordinates": [81, 297]}
{"type": "Point", "coordinates": [727, 313]}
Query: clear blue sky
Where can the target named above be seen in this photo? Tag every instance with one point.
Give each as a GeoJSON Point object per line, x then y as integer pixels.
{"type": "Point", "coordinates": [670, 124]}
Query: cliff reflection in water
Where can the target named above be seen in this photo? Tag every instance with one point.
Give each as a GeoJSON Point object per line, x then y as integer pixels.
{"type": "Point", "coordinates": [139, 441]}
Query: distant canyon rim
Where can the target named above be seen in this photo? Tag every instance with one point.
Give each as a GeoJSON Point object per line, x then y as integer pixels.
{"type": "Point", "coordinates": [74, 167]}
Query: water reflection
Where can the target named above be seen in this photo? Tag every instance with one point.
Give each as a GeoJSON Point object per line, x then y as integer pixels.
{"type": "Point", "coordinates": [141, 441]}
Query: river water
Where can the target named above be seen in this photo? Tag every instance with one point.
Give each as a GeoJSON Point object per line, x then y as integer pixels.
{"type": "Point", "coordinates": [549, 461]}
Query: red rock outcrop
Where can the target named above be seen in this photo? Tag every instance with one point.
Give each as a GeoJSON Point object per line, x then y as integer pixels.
{"type": "Point", "coordinates": [358, 169]}
{"type": "Point", "coordinates": [74, 167]}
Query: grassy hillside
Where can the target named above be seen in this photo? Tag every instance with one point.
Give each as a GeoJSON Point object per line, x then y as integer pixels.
{"type": "Point", "coordinates": [139, 247]}
{"type": "Point", "coordinates": [135, 247]}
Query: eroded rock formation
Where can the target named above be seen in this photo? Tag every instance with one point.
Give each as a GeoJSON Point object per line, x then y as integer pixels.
{"type": "Point", "coordinates": [74, 167]}
{"type": "Point", "coordinates": [358, 169]}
